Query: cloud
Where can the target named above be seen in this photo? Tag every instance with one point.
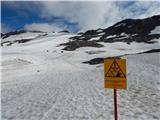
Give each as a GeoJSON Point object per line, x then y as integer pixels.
{"type": "Point", "coordinates": [90, 14]}
{"type": "Point", "coordinates": [44, 27]}
{"type": "Point", "coordinates": [5, 28]}
{"type": "Point", "coordinates": [142, 9]}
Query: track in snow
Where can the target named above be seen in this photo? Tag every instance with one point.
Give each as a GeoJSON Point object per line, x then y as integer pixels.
{"type": "Point", "coordinates": [63, 90]}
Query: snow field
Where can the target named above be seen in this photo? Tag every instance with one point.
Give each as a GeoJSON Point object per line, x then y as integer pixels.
{"type": "Point", "coordinates": [49, 85]}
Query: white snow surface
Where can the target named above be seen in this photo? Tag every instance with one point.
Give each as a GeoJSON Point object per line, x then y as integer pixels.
{"type": "Point", "coordinates": [156, 30]}
{"type": "Point", "coordinates": [94, 38]}
{"type": "Point", "coordinates": [39, 82]}
{"type": "Point", "coordinates": [111, 36]}
{"type": "Point", "coordinates": [120, 24]}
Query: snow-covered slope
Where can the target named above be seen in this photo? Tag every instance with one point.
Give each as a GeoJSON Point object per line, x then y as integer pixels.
{"type": "Point", "coordinates": [27, 35]}
{"type": "Point", "coordinates": [41, 81]}
{"type": "Point", "coordinates": [127, 31]}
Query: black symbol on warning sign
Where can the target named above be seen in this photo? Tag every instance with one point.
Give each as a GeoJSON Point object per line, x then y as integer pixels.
{"type": "Point", "coordinates": [115, 71]}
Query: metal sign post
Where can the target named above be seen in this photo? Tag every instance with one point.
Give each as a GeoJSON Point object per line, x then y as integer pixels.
{"type": "Point", "coordinates": [115, 105]}
{"type": "Point", "coordinates": [115, 78]}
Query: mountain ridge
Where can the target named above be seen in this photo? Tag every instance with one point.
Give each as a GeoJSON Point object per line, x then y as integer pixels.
{"type": "Point", "coordinates": [128, 30]}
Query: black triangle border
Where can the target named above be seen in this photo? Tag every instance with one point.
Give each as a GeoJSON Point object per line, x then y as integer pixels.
{"type": "Point", "coordinates": [112, 73]}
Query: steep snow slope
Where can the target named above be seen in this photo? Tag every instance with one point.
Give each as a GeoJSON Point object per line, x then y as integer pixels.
{"type": "Point", "coordinates": [42, 82]}
{"type": "Point", "coordinates": [26, 35]}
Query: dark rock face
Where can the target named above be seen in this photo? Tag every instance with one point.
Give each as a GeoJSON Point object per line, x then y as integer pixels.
{"type": "Point", "coordinates": [128, 30]}
{"type": "Point", "coordinates": [152, 51]}
{"type": "Point", "coordinates": [22, 40]}
{"type": "Point", "coordinates": [64, 31]}
{"type": "Point", "coordinates": [5, 35]}
{"type": "Point", "coordinates": [9, 43]}
{"type": "Point", "coordinates": [99, 60]}
{"type": "Point", "coordinates": [134, 26]}
{"type": "Point", "coordinates": [72, 45]}
{"type": "Point", "coordinates": [94, 61]}
{"type": "Point", "coordinates": [137, 30]}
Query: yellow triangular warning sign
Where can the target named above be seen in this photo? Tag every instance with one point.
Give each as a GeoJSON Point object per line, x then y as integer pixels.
{"type": "Point", "coordinates": [115, 71]}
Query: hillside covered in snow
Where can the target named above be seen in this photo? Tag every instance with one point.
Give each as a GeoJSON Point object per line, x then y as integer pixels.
{"type": "Point", "coordinates": [59, 75]}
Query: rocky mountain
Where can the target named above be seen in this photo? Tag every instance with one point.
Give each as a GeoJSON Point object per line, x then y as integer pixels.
{"type": "Point", "coordinates": [128, 30]}
{"type": "Point", "coordinates": [20, 36]}
{"type": "Point", "coordinates": [5, 35]}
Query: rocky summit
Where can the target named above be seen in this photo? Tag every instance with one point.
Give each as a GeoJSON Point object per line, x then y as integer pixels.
{"type": "Point", "coordinates": [128, 30]}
